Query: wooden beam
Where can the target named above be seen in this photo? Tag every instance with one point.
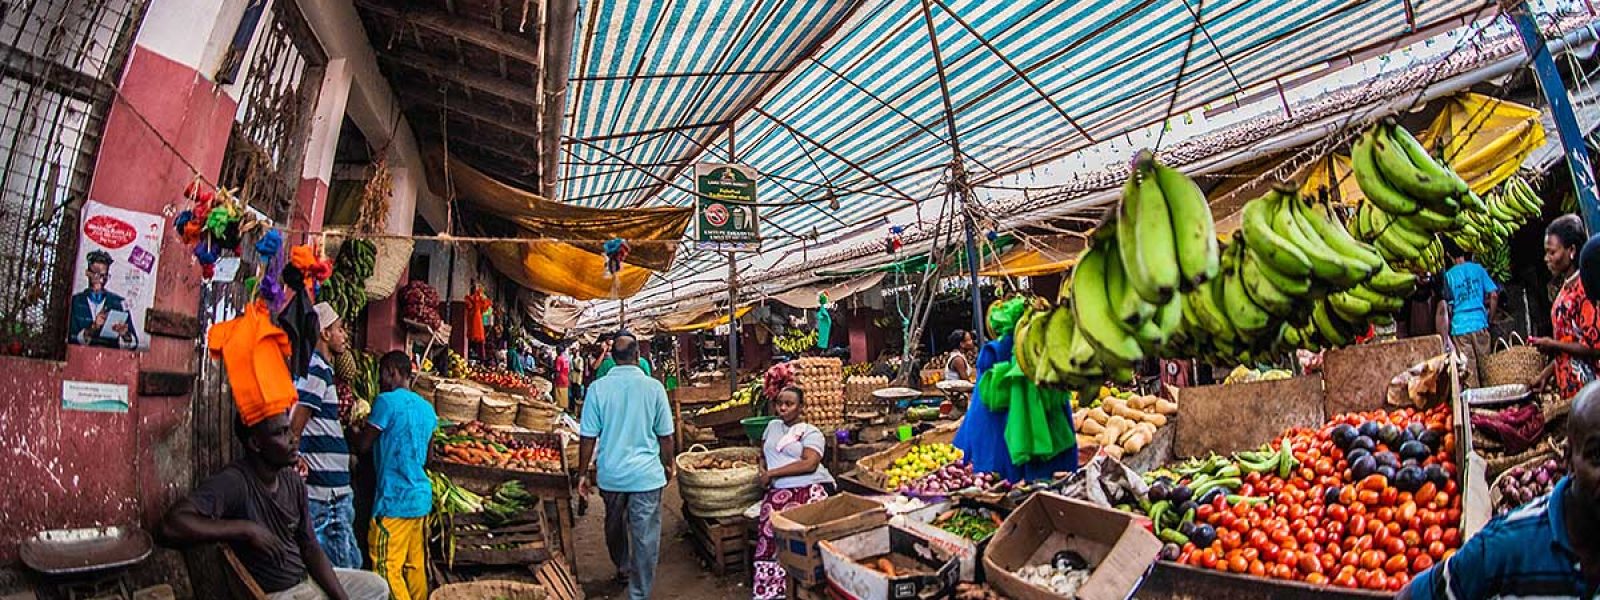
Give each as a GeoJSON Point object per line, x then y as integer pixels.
{"type": "Point", "coordinates": [457, 142]}
{"type": "Point", "coordinates": [645, 132]}
{"type": "Point", "coordinates": [514, 46]}
{"type": "Point", "coordinates": [434, 67]}
{"type": "Point", "coordinates": [475, 110]}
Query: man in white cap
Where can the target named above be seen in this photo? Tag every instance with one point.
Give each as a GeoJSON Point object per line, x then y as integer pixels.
{"type": "Point", "coordinates": [324, 453]}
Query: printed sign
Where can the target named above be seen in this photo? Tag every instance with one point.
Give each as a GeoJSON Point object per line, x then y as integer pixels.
{"type": "Point", "coordinates": [115, 277]}
{"type": "Point", "coordinates": [94, 397]}
{"type": "Point", "coordinates": [726, 210]}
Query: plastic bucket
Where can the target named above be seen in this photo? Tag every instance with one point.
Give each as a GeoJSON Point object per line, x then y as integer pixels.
{"type": "Point", "coordinates": [755, 427]}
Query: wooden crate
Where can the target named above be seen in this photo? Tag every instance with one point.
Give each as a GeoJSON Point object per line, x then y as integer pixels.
{"type": "Point", "coordinates": [725, 543]}
{"type": "Point", "coordinates": [527, 530]}
{"type": "Point", "coordinates": [558, 581]}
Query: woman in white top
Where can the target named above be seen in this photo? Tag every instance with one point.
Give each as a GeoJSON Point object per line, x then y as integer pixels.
{"type": "Point", "coordinates": [956, 364]}
{"type": "Point", "coordinates": [792, 472]}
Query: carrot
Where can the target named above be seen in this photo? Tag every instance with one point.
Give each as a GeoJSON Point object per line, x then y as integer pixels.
{"type": "Point", "coordinates": [886, 566]}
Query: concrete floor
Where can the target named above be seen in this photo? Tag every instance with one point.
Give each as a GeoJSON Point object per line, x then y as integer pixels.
{"type": "Point", "coordinates": [680, 573]}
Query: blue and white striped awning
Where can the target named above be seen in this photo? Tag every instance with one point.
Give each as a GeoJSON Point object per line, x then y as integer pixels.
{"type": "Point", "coordinates": [861, 120]}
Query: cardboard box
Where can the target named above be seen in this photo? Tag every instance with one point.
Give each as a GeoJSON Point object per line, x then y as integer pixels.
{"type": "Point", "coordinates": [939, 573]}
{"type": "Point", "coordinates": [1121, 550]}
{"type": "Point", "coordinates": [920, 522]}
{"type": "Point", "coordinates": [796, 531]}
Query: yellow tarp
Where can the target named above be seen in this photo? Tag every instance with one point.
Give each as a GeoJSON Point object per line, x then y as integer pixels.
{"type": "Point", "coordinates": [1485, 139]}
{"type": "Point", "coordinates": [574, 268]}
{"type": "Point", "coordinates": [707, 320]}
{"type": "Point", "coordinates": [1027, 260]}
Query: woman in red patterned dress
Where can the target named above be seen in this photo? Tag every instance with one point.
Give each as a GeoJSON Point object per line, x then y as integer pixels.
{"type": "Point", "coordinates": [1574, 345]}
{"type": "Point", "coordinates": [792, 472]}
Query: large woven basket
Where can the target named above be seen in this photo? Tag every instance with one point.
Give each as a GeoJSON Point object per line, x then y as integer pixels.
{"type": "Point", "coordinates": [689, 476]}
{"type": "Point", "coordinates": [394, 255]}
{"type": "Point", "coordinates": [498, 409]}
{"type": "Point", "coordinates": [1501, 463]}
{"type": "Point", "coordinates": [1519, 363]}
{"type": "Point", "coordinates": [427, 386]}
{"type": "Point", "coordinates": [536, 415]}
{"type": "Point", "coordinates": [457, 403]}
{"type": "Point", "coordinates": [489, 589]}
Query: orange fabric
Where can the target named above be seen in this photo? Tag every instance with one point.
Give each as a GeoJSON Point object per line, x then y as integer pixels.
{"type": "Point", "coordinates": [564, 270]}
{"type": "Point", "coordinates": [476, 304]}
{"type": "Point", "coordinates": [254, 352]}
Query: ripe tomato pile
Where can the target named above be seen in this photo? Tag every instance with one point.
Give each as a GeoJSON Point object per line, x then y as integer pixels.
{"type": "Point", "coordinates": [1325, 525]}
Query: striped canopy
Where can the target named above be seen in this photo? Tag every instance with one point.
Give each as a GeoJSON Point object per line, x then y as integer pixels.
{"type": "Point", "coordinates": [838, 103]}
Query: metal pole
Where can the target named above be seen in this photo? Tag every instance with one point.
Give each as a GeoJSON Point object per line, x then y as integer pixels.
{"type": "Point", "coordinates": [733, 324]}
{"type": "Point", "coordinates": [958, 176]}
{"type": "Point", "coordinates": [972, 276]}
{"type": "Point", "coordinates": [1555, 94]}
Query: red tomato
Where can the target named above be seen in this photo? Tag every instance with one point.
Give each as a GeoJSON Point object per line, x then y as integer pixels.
{"type": "Point", "coordinates": [1388, 496]}
{"type": "Point", "coordinates": [1345, 579]}
{"type": "Point", "coordinates": [1347, 495]}
{"type": "Point", "coordinates": [1442, 501]}
{"type": "Point", "coordinates": [1329, 563]}
{"type": "Point", "coordinates": [1258, 569]}
{"type": "Point", "coordinates": [1394, 546]}
{"type": "Point", "coordinates": [1372, 559]}
{"type": "Point", "coordinates": [1433, 533]}
{"type": "Point", "coordinates": [1250, 554]}
{"type": "Point", "coordinates": [1204, 512]}
{"type": "Point", "coordinates": [1208, 558]}
{"type": "Point", "coordinates": [1438, 551]}
{"type": "Point", "coordinates": [1304, 536]}
{"type": "Point", "coordinates": [1452, 538]}
{"type": "Point", "coordinates": [1379, 581]}
{"type": "Point", "coordinates": [1282, 571]}
{"type": "Point", "coordinates": [1374, 482]}
{"type": "Point", "coordinates": [1421, 563]}
{"type": "Point", "coordinates": [1357, 526]}
{"type": "Point", "coordinates": [1317, 579]}
{"type": "Point", "coordinates": [1411, 538]}
{"type": "Point", "coordinates": [1395, 564]}
{"type": "Point", "coordinates": [1368, 497]}
{"type": "Point", "coordinates": [1408, 509]}
{"type": "Point", "coordinates": [1384, 514]}
{"type": "Point", "coordinates": [1237, 564]}
{"type": "Point", "coordinates": [1426, 493]}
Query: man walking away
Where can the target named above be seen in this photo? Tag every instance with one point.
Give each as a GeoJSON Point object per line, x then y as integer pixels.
{"type": "Point", "coordinates": [628, 413]}
{"type": "Point", "coordinates": [324, 454]}
{"type": "Point", "coordinates": [401, 425]}
{"type": "Point", "coordinates": [257, 505]}
{"type": "Point", "coordinates": [1473, 298]}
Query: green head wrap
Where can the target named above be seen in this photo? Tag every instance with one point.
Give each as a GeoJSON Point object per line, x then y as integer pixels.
{"type": "Point", "coordinates": [1003, 316]}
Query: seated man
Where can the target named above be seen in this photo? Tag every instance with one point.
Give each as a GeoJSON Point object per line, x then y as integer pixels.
{"type": "Point", "coordinates": [257, 506]}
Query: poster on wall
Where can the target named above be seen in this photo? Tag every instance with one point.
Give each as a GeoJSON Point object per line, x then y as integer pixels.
{"type": "Point", "coordinates": [115, 277]}
{"type": "Point", "coordinates": [94, 397]}
{"type": "Point", "coordinates": [725, 208]}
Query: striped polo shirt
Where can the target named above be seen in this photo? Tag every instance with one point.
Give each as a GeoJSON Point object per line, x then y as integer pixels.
{"type": "Point", "coordinates": [322, 444]}
{"type": "Point", "coordinates": [1525, 553]}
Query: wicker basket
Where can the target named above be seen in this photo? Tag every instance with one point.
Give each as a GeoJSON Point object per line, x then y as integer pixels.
{"type": "Point", "coordinates": [1518, 363]}
{"type": "Point", "coordinates": [538, 416]}
{"type": "Point", "coordinates": [1494, 488]}
{"type": "Point", "coordinates": [691, 477]}
{"type": "Point", "coordinates": [1502, 463]}
{"type": "Point", "coordinates": [1554, 408]}
{"type": "Point", "coordinates": [394, 255]}
{"type": "Point", "coordinates": [484, 590]}
{"type": "Point", "coordinates": [456, 402]}
{"type": "Point", "coordinates": [426, 386]}
{"type": "Point", "coordinates": [498, 409]}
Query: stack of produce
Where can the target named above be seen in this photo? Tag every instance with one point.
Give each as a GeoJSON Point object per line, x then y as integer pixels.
{"type": "Point", "coordinates": [921, 460]}
{"type": "Point", "coordinates": [1066, 572]}
{"type": "Point", "coordinates": [420, 302]}
{"type": "Point", "coordinates": [499, 376]}
{"type": "Point", "coordinates": [1123, 427]}
{"type": "Point", "coordinates": [474, 443]}
{"type": "Point", "coordinates": [858, 391]}
{"type": "Point", "coordinates": [451, 499]}
{"type": "Point", "coordinates": [1410, 197]}
{"type": "Point", "coordinates": [975, 524]}
{"type": "Point", "coordinates": [1366, 501]}
{"type": "Point", "coordinates": [1243, 374]}
{"type": "Point", "coordinates": [1124, 301]}
{"type": "Point", "coordinates": [777, 377]}
{"type": "Point", "coordinates": [1487, 234]}
{"type": "Point", "coordinates": [346, 289]}
{"type": "Point", "coordinates": [857, 369]}
{"type": "Point", "coordinates": [794, 342]}
{"type": "Point", "coordinates": [944, 480]}
{"type": "Point", "coordinates": [822, 379]}
{"type": "Point", "coordinates": [1520, 485]}
{"type": "Point", "coordinates": [458, 368]}
{"type": "Point", "coordinates": [744, 396]}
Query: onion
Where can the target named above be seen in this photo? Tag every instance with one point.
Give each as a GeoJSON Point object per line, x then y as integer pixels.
{"type": "Point", "coordinates": [1544, 477]}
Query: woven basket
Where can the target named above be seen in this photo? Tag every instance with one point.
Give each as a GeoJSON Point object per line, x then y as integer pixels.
{"type": "Point", "coordinates": [1518, 363]}
{"type": "Point", "coordinates": [1554, 408]}
{"type": "Point", "coordinates": [498, 409]}
{"type": "Point", "coordinates": [1502, 463]}
{"type": "Point", "coordinates": [690, 477]}
{"type": "Point", "coordinates": [457, 403]}
{"type": "Point", "coordinates": [537, 416]}
{"type": "Point", "coordinates": [1494, 488]}
{"type": "Point", "coordinates": [394, 255]}
{"type": "Point", "coordinates": [487, 589]}
{"type": "Point", "coordinates": [426, 386]}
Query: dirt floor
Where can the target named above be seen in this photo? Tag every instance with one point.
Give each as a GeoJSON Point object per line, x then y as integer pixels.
{"type": "Point", "coordinates": [680, 573]}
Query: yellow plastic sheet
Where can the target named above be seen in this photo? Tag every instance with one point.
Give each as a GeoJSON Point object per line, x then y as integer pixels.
{"type": "Point", "coordinates": [1484, 139]}
{"type": "Point", "coordinates": [1024, 261]}
{"type": "Point", "coordinates": [1328, 169]}
{"type": "Point", "coordinates": [580, 274]}
{"type": "Point", "coordinates": [707, 320]}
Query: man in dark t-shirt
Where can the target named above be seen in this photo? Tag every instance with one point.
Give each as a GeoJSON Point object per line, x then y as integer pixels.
{"type": "Point", "coordinates": [257, 505]}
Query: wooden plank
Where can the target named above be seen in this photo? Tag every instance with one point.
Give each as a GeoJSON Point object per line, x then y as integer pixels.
{"type": "Point", "coordinates": [557, 579]}
{"type": "Point", "coordinates": [1357, 377]}
{"type": "Point", "coordinates": [515, 556]}
{"type": "Point", "coordinates": [1229, 418]}
{"type": "Point", "coordinates": [441, 69]}
{"type": "Point", "coordinates": [525, 49]}
{"type": "Point", "coordinates": [167, 323]}
{"type": "Point", "coordinates": [165, 383]}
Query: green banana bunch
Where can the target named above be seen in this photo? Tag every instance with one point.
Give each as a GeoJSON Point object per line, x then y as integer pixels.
{"type": "Point", "coordinates": [1505, 211]}
{"type": "Point", "coordinates": [1166, 232]}
{"type": "Point", "coordinates": [1397, 174]}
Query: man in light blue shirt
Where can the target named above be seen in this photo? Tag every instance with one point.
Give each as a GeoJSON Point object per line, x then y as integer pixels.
{"type": "Point", "coordinates": [1472, 297]}
{"type": "Point", "coordinates": [628, 413]}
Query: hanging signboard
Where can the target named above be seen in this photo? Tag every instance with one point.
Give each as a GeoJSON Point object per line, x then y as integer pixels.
{"type": "Point", "coordinates": [116, 277]}
{"type": "Point", "coordinates": [725, 215]}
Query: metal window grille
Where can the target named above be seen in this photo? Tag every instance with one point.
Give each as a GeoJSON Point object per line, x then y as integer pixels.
{"type": "Point", "coordinates": [59, 61]}
{"type": "Point", "coordinates": [266, 148]}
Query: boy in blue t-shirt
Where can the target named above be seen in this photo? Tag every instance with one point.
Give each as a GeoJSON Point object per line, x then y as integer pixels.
{"type": "Point", "coordinates": [398, 432]}
{"type": "Point", "coordinates": [1472, 297]}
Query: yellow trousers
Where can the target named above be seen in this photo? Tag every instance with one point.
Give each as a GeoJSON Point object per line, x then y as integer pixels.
{"type": "Point", "coordinates": [399, 554]}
